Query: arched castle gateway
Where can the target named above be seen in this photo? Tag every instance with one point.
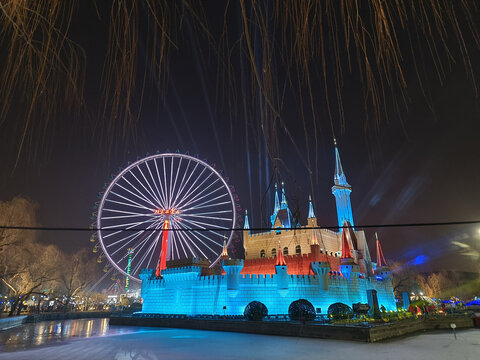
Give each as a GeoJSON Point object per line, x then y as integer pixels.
{"type": "Point", "coordinates": [280, 266]}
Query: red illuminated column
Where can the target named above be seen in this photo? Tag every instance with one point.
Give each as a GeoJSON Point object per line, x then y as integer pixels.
{"type": "Point", "coordinates": [162, 263]}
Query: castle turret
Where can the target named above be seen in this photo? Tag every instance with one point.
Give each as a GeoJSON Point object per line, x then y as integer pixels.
{"type": "Point", "coordinates": [232, 268]}
{"type": "Point", "coordinates": [321, 269]}
{"type": "Point", "coordinates": [341, 190]}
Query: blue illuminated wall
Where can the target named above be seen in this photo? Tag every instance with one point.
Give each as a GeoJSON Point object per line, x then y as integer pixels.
{"type": "Point", "coordinates": [185, 291]}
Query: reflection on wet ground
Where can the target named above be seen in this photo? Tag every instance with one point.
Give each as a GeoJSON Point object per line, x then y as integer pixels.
{"type": "Point", "coordinates": [47, 332]}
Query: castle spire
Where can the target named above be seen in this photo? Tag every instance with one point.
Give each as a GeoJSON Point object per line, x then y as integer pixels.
{"type": "Point", "coordinates": [224, 251]}
{"type": "Point", "coordinates": [277, 202]}
{"type": "Point", "coordinates": [284, 198]}
{"type": "Point", "coordinates": [339, 177]}
{"type": "Point", "coordinates": [311, 213]}
{"type": "Point", "coordinates": [380, 256]}
{"type": "Point", "coordinates": [246, 225]}
{"type": "Point", "coordinates": [341, 190]}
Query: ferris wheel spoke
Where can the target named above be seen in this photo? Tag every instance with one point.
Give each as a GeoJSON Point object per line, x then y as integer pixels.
{"type": "Point", "coordinates": [187, 240]}
{"type": "Point", "coordinates": [193, 186]}
{"type": "Point", "coordinates": [132, 236]}
{"type": "Point", "coordinates": [176, 178]}
{"type": "Point", "coordinates": [170, 197]}
{"type": "Point", "coordinates": [195, 223]}
{"type": "Point", "coordinates": [196, 199]}
{"type": "Point", "coordinates": [143, 196]}
{"type": "Point", "coordinates": [206, 206]}
{"type": "Point", "coordinates": [207, 225]}
{"type": "Point", "coordinates": [201, 233]}
{"type": "Point", "coordinates": [127, 212]}
{"type": "Point", "coordinates": [162, 190]}
{"type": "Point", "coordinates": [182, 182]}
{"type": "Point", "coordinates": [152, 192]}
{"type": "Point", "coordinates": [180, 241]}
{"type": "Point", "coordinates": [165, 181]}
{"type": "Point", "coordinates": [207, 217]}
{"type": "Point", "coordinates": [207, 213]}
{"type": "Point", "coordinates": [137, 196]}
{"type": "Point", "coordinates": [175, 245]}
{"type": "Point", "coordinates": [193, 201]}
{"type": "Point", "coordinates": [138, 250]}
{"type": "Point", "coordinates": [155, 183]}
{"type": "Point", "coordinates": [192, 189]}
{"type": "Point", "coordinates": [125, 216]}
{"type": "Point", "coordinates": [183, 238]}
{"type": "Point", "coordinates": [129, 205]}
{"type": "Point", "coordinates": [156, 242]}
{"type": "Point", "coordinates": [149, 250]}
{"type": "Point", "coordinates": [119, 231]}
{"type": "Point", "coordinates": [135, 204]}
{"type": "Point", "coordinates": [116, 226]}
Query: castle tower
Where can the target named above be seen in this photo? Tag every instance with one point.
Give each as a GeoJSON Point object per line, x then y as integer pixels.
{"type": "Point", "coordinates": [311, 219]}
{"type": "Point", "coordinates": [341, 190]}
{"type": "Point", "coordinates": [232, 268]}
{"type": "Point", "coordinates": [276, 207]}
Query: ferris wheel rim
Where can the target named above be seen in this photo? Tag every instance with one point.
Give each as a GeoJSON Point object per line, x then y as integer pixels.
{"type": "Point", "coordinates": [145, 160]}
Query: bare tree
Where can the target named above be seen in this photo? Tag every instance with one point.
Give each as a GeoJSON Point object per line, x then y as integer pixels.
{"type": "Point", "coordinates": [29, 270]}
{"type": "Point", "coordinates": [76, 272]}
{"type": "Point", "coordinates": [18, 211]}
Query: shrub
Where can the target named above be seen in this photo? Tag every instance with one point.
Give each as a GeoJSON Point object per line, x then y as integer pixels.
{"type": "Point", "coordinates": [255, 311]}
{"type": "Point", "coordinates": [301, 310]}
{"type": "Point", "coordinates": [340, 311]}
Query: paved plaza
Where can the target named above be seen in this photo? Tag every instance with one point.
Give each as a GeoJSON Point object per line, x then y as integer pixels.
{"type": "Point", "coordinates": [97, 340]}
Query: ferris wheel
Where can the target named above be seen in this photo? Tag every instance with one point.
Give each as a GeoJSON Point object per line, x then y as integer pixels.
{"type": "Point", "coordinates": [164, 207]}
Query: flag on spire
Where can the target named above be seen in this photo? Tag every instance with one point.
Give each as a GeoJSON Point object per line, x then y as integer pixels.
{"type": "Point", "coordinates": [346, 251]}
{"type": "Point", "coordinates": [380, 256]}
{"type": "Point", "coordinates": [280, 258]}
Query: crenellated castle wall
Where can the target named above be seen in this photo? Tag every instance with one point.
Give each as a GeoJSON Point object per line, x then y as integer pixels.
{"type": "Point", "coordinates": [185, 291]}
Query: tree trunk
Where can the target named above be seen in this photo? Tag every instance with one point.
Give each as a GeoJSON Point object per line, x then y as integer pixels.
{"type": "Point", "coordinates": [13, 307]}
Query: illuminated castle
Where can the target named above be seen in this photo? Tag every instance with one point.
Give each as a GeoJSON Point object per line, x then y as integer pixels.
{"type": "Point", "coordinates": [288, 263]}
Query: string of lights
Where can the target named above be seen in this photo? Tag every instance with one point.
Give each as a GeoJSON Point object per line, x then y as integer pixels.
{"type": "Point", "coordinates": [258, 229]}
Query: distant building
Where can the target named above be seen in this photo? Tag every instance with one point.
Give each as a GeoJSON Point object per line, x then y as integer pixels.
{"type": "Point", "coordinates": [287, 263]}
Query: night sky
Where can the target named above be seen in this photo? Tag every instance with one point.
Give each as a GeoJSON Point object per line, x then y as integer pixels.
{"type": "Point", "coordinates": [421, 166]}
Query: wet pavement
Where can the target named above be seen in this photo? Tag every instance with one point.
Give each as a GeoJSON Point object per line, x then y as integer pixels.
{"type": "Point", "coordinates": [92, 339]}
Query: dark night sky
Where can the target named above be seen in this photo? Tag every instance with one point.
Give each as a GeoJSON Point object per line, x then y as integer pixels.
{"type": "Point", "coordinates": [427, 171]}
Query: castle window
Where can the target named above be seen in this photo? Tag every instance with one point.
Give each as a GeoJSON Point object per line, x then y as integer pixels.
{"type": "Point", "coordinates": [285, 250]}
{"type": "Point", "coordinates": [274, 252]}
{"type": "Point", "coordinates": [298, 250]}
{"type": "Point", "coordinates": [262, 253]}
